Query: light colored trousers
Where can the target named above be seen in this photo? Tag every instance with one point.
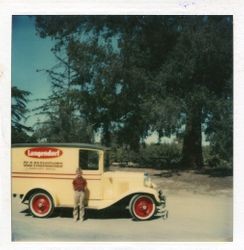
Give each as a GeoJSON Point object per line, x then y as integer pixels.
{"type": "Point", "coordinates": [79, 198]}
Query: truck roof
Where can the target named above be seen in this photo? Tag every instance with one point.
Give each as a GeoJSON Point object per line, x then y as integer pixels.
{"type": "Point", "coordinates": [64, 145]}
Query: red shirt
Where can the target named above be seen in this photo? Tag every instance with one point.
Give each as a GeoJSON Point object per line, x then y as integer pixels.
{"type": "Point", "coordinates": [79, 184]}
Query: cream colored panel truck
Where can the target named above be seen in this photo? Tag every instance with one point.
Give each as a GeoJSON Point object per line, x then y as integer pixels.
{"type": "Point", "coordinates": [42, 177]}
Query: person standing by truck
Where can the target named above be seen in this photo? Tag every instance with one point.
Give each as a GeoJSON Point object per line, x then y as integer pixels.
{"type": "Point", "coordinates": [79, 186]}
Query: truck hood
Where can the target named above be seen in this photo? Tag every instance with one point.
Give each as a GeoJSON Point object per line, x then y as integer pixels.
{"type": "Point", "coordinates": [134, 178]}
{"type": "Point", "coordinates": [123, 174]}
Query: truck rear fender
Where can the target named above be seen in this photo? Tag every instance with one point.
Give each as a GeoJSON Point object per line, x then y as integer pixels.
{"type": "Point", "coordinates": [27, 196]}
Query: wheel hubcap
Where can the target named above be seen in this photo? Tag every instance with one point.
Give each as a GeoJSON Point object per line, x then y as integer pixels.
{"type": "Point", "coordinates": [144, 207]}
{"type": "Point", "coordinates": [41, 204]}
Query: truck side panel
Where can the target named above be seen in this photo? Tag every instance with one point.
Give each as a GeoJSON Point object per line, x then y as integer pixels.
{"type": "Point", "coordinates": [52, 169]}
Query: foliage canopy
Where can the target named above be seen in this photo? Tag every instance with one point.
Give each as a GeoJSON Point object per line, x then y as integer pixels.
{"type": "Point", "coordinates": [127, 76]}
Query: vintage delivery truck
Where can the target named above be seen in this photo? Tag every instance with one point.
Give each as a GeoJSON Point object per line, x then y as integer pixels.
{"type": "Point", "coordinates": [42, 177]}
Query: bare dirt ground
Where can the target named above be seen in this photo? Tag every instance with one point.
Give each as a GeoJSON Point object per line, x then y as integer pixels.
{"type": "Point", "coordinates": [200, 209]}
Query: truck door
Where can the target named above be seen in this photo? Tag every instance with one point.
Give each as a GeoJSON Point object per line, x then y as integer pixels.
{"type": "Point", "coordinates": [89, 164]}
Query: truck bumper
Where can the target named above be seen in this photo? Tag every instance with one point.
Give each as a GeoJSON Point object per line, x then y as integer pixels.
{"type": "Point", "coordinates": [161, 211]}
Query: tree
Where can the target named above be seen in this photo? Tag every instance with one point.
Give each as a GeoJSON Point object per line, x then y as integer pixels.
{"type": "Point", "coordinates": [120, 74]}
{"type": "Point", "coordinates": [219, 129]}
{"type": "Point", "coordinates": [178, 64]}
{"type": "Point", "coordinates": [19, 110]}
{"type": "Point", "coordinates": [63, 121]}
{"type": "Point", "coordinates": [97, 85]}
{"type": "Point", "coordinates": [197, 72]}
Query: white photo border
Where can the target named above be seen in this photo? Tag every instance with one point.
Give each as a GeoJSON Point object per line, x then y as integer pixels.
{"type": "Point", "coordinates": [8, 8]}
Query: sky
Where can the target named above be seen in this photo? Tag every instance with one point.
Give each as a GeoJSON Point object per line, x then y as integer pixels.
{"type": "Point", "coordinates": [30, 53]}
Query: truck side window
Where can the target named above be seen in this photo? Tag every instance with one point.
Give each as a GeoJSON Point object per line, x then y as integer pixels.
{"type": "Point", "coordinates": [88, 159]}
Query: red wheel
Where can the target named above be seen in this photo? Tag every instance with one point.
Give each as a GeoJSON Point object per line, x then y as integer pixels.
{"type": "Point", "coordinates": [41, 205]}
{"type": "Point", "coordinates": [142, 207]}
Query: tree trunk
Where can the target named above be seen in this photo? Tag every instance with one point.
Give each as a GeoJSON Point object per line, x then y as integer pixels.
{"type": "Point", "coordinates": [135, 144]}
{"type": "Point", "coordinates": [192, 145]}
{"type": "Point", "coordinates": [106, 135]}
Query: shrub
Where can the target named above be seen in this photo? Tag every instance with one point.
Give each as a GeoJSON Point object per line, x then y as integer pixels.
{"type": "Point", "coordinates": [161, 155]}
{"type": "Point", "coordinates": [153, 155]}
{"type": "Point", "coordinates": [214, 160]}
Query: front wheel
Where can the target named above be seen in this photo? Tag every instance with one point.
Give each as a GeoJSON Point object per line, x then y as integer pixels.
{"type": "Point", "coordinates": [41, 205]}
{"type": "Point", "coordinates": [142, 207]}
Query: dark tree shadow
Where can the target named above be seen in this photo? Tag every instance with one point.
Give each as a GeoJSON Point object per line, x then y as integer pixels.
{"type": "Point", "coordinates": [216, 172]}
{"type": "Point", "coordinates": [168, 173]}
{"type": "Point", "coordinates": [211, 172]}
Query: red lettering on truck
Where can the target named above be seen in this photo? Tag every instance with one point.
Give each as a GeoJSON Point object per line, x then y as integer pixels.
{"type": "Point", "coordinates": [43, 152]}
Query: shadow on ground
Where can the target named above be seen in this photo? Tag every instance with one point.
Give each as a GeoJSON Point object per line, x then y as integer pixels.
{"type": "Point", "coordinates": [108, 213]}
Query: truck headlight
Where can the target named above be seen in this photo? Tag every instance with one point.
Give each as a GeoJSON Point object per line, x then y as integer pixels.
{"type": "Point", "coordinates": [147, 180]}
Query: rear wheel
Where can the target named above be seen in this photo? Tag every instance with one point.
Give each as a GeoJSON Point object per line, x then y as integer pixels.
{"type": "Point", "coordinates": [41, 205]}
{"type": "Point", "coordinates": [142, 207]}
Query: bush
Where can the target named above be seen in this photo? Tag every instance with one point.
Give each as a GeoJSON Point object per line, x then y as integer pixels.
{"type": "Point", "coordinates": [161, 155]}
{"type": "Point", "coordinates": [122, 155]}
{"type": "Point", "coordinates": [153, 155]}
{"type": "Point", "coordinates": [214, 160]}
{"type": "Point", "coordinates": [164, 156]}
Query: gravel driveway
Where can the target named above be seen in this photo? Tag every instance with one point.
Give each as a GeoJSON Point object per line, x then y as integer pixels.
{"type": "Point", "coordinates": [198, 211]}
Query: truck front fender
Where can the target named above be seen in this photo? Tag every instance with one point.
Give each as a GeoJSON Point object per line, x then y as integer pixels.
{"type": "Point", "coordinates": [130, 193]}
